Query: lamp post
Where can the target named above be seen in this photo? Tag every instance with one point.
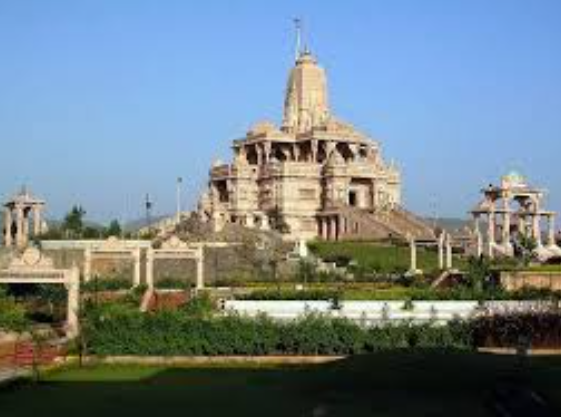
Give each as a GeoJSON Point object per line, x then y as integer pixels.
{"type": "Point", "coordinates": [178, 198]}
{"type": "Point", "coordinates": [148, 207]}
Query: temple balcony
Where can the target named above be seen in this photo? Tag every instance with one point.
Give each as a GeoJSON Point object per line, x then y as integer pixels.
{"type": "Point", "coordinates": [220, 172]}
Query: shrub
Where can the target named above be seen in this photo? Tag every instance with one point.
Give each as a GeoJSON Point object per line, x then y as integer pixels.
{"type": "Point", "coordinates": [107, 283]}
{"type": "Point", "coordinates": [12, 315]}
{"type": "Point", "coordinates": [118, 330]}
{"type": "Point", "coordinates": [171, 283]}
{"type": "Point", "coordinates": [540, 329]}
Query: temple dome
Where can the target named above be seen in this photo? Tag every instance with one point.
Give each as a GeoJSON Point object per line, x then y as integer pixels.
{"type": "Point", "coordinates": [513, 180]}
{"type": "Point", "coordinates": [263, 127]}
{"type": "Point", "coordinates": [306, 103]}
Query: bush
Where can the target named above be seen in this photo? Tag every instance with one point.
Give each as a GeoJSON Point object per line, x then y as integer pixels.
{"type": "Point", "coordinates": [107, 284]}
{"type": "Point", "coordinates": [118, 330]}
{"type": "Point", "coordinates": [12, 315]}
{"type": "Point", "coordinates": [170, 283]}
{"type": "Point", "coordinates": [538, 329]}
{"type": "Point", "coordinates": [285, 294]}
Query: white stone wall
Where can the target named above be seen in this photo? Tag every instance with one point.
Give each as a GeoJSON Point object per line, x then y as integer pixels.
{"type": "Point", "coordinates": [377, 312]}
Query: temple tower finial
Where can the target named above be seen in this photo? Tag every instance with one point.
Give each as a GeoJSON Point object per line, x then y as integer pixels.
{"type": "Point", "coordinates": [298, 47]}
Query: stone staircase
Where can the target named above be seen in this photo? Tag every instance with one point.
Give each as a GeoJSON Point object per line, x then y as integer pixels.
{"type": "Point", "coordinates": [380, 225]}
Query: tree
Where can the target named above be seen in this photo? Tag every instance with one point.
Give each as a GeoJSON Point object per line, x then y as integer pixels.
{"type": "Point", "coordinates": [73, 223]}
{"type": "Point", "coordinates": [114, 229]}
{"type": "Point", "coordinates": [92, 233]}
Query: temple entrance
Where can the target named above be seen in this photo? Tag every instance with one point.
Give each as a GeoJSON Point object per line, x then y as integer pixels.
{"type": "Point", "coordinates": [353, 198]}
{"type": "Point", "coordinates": [32, 267]}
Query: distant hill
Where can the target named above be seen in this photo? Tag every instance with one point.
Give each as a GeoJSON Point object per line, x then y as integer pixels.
{"type": "Point", "coordinates": [135, 225]}
{"type": "Point", "coordinates": [448, 223]}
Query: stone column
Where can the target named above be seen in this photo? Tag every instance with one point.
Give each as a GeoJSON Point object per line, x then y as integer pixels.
{"type": "Point", "coordinates": [413, 255]}
{"type": "Point", "coordinates": [87, 264]}
{"type": "Point", "coordinates": [136, 256]}
{"type": "Point", "coordinates": [536, 230]}
{"type": "Point", "coordinates": [441, 250]}
{"type": "Point", "coordinates": [249, 220]}
{"type": "Point", "coordinates": [37, 220]}
{"type": "Point", "coordinates": [477, 223]}
{"type": "Point", "coordinates": [296, 152]}
{"type": "Point", "coordinates": [551, 232]}
{"type": "Point", "coordinates": [200, 269]}
{"type": "Point", "coordinates": [506, 229]}
{"type": "Point", "coordinates": [25, 234]}
{"type": "Point", "coordinates": [73, 306]}
{"type": "Point", "coordinates": [259, 151]}
{"type": "Point", "coordinates": [479, 243]}
{"type": "Point", "coordinates": [265, 223]}
{"type": "Point", "coordinates": [19, 227]}
{"type": "Point", "coordinates": [266, 151]}
{"type": "Point", "coordinates": [491, 234]}
{"type": "Point", "coordinates": [449, 252]}
{"type": "Point", "coordinates": [150, 268]}
{"type": "Point", "coordinates": [522, 225]}
{"type": "Point", "coordinates": [8, 227]}
{"type": "Point", "coordinates": [314, 150]}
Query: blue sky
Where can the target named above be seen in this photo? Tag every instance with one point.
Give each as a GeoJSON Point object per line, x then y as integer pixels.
{"type": "Point", "coordinates": [103, 101]}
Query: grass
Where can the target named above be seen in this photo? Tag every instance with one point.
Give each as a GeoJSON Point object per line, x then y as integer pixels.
{"type": "Point", "coordinates": [378, 257]}
{"type": "Point", "coordinates": [406, 383]}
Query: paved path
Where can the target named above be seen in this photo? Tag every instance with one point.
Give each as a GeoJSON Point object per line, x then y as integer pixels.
{"type": "Point", "coordinates": [9, 374]}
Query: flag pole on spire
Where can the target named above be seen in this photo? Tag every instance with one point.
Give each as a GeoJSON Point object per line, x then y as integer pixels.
{"type": "Point", "coordinates": [298, 48]}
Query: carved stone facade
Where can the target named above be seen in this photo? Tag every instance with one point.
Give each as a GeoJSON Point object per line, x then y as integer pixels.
{"type": "Point", "coordinates": [290, 177]}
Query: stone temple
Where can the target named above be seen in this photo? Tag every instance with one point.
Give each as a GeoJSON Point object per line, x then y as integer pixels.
{"type": "Point", "coordinates": [314, 176]}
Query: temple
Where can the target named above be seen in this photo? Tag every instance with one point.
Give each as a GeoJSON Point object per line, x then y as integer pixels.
{"type": "Point", "coordinates": [513, 212]}
{"type": "Point", "coordinates": [314, 176]}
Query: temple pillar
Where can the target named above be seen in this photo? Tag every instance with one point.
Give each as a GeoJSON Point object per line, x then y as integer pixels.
{"type": "Point", "coordinates": [477, 223]}
{"type": "Point", "coordinates": [441, 250]}
{"type": "Point", "coordinates": [479, 244]}
{"type": "Point", "coordinates": [314, 150]}
{"type": "Point", "coordinates": [73, 303]}
{"type": "Point", "coordinates": [491, 234]}
{"type": "Point", "coordinates": [19, 227]}
{"type": "Point", "coordinates": [25, 234]}
{"type": "Point", "coordinates": [449, 252]}
{"type": "Point", "coordinates": [413, 255]}
{"type": "Point", "coordinates": [266, 151]}
{"type": "Point", "coordinates": [551, 232]}
{"type": "Point", "coordinates": [37, 220]}
{"type": "Point", "coordinates": [8, 239]}
{"type": "Point", "coordinates": [536, 230]}
{"type": "Point", "coordinates": [296, 152]}
{"type": "Point", "coordinates": [200, 269]}
{"type": "Point", "coordinates": [136, 256]}
{"type": "Point", "coordinates": [87, 264]}
{"type": "Point", "coordinates": [522, 225]}
{"type": "Point", "coordinates": [506, 228]}
{"type": "Point", "coordinates": [150, 268]}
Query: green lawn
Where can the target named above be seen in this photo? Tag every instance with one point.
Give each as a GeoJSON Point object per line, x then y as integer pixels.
{"type": "Point", "coordinates": [377, 257]}
{"type": "Point", "coordinates": [385, 384]}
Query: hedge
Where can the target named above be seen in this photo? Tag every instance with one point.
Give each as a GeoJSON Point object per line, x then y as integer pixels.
{"type": "Point", "coordinates": [118, 330]}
